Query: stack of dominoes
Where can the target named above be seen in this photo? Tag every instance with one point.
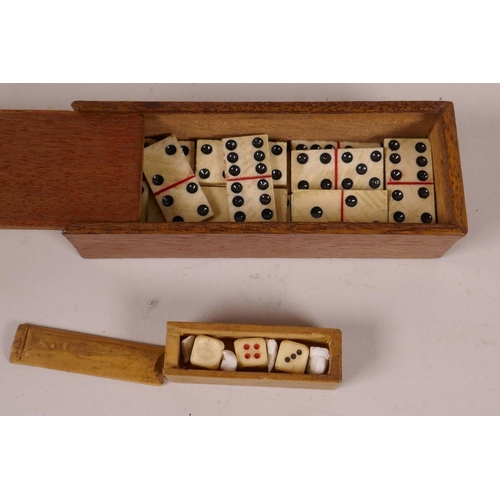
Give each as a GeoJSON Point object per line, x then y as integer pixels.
{"type": "Point", "coordinates": [246, 178]}
{"type": "Point", "coordinates": [255, 354]}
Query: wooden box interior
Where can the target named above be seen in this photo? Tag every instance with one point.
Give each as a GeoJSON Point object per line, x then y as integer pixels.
{"type": "Point", "coordinates": [175, 371]}
{"type": "Point", "coordinates": [371, 121]}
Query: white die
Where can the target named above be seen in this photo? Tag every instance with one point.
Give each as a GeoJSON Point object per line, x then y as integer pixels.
{"type": "Point", "coordinates": [292, 357]}
{"type": "Point", "coordinates": [251, 352]}
{"type": "Point", "coordinates": [207, 352]}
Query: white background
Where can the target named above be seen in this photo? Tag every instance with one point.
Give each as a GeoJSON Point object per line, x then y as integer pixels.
{"type": "Point", "coordinates": [420, 337]}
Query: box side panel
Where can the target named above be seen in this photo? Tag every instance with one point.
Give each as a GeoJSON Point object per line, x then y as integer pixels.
{"type": "Point", "coordinates": [288, 381]}
{"type": "Point", "coordinates": [284, 127]}
{"type": "Point", "coordinates": [450, 197]}
{"type": "Point", "coordinates": [88, 354]}
{"type": "Point", "coordinates": [60, 167]}
{"type": "Point", "coordinates": [259, 107]}
{"type": "Point", "coordinates": [403, 246]}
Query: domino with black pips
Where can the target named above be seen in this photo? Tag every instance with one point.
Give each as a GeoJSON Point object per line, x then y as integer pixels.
{"type": "Point", "coordinates": [173, 182]}
{"type": "Point", "coordinates": [278, 162]}
{"type": "Point", "coordinates": [359, 168]}
{"type": "Point", "coordinates": [303, 145]}
{"type": "Point", "coordinates": [210, 164]}
{"type": "Point", "coordinates": [410, 180]}
{"type": "Point", "coordinates": [249, 181]}
{"type": "Point", "coordinates": [314, 169]}
{"type": "Point", "coordinates": [339, 206]}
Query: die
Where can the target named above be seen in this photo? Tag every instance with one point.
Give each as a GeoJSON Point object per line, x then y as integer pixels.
{"type": "Point", "coordinates": [173, 182]}
{"type": "Point", "coordinates": [408, 160]}
{"type": "Point", "coordinates": [314, 169]}
{"type": "Point", "coordinates": [292, 357]}
{"type": "Point", "coordinates": [412, 203]}
{"type": "Point", "coordinates": [210, 163]}
{"type": "Point", "coordinates": [360, 168]}
{"type": "Point", "coordinates": [251, 353]}
{"type": "Point", "coordinates": [278, 163]}
{"type": "Point", "coordinates": [207, 352]}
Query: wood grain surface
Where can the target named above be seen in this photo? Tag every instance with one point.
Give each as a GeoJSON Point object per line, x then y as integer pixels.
{"type": "Point", "coordinates": [59, 167]}
{"type": "Point", "coordinates": [306, 107]}
{"type": "Point", "coordinates": [88, 354]}
{"type": "Point", "coordinates": [323, 337]}
{"type": "Point", "coordinates": [275, 240]}
{"type": "Point", "coordinates": [355, 121]}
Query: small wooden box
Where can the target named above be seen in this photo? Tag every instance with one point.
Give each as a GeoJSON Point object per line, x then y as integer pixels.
{"type": "Point", "coordinates": [87, 166]}
{"type": "Point", "coordinates": [331, 338]}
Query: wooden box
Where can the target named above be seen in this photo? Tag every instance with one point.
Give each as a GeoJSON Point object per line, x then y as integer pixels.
{"type": "Point", "coordinates": [81, 171]}
{"type": "Point", "coordinates": [143, 363]}
{"type": "Point", "coordinates": [175, 371]}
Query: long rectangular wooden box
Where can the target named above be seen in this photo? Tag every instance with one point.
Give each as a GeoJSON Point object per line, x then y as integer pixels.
{"type": "Point", "coordinates": [117, 234]}
{"type": "Point", "coordinates": [323, 337]}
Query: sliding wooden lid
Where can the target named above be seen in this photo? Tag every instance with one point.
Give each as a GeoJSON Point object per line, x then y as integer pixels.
{"type": "Point", "coordinates": [88, 354]}
{"type": "Point", "coordinates": [61, 167]}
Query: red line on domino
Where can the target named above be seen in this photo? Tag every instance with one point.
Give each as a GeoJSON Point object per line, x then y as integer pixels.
{"type": "Point", "coordinates": [234, 179]}
{"type": "Point", "coordinates": [173, 185]}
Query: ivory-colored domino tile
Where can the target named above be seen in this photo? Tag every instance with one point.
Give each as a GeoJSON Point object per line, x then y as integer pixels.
{"type": "Point", "coordinates": [251, 200]}
{"type": "Point", "coordinates": [408, 160]}
{"type": "Point", "coordinates": [351, 144]}
{"type": "Point", "coordinates": [282, 205]}
{"type": "Point", "coordinates": [189, 150]}
{"type": "Point", "coordinates": [217, 197]}
{"type": "Point", "coordinates": [154, 211]}
{"type": "Point", "coordinates": [316, 206]}
{"type": "Point", "coordinates": [412, 203]}
{"type": "Point", "coordinates": [313, 169]}
{"type": "Point", "coordinates": [278, 162]}
{"type": "Point", "coordinates": [364, 206]}
{"type": "Point", "coordinates": [360, 168]}
{"type": "Point", "coordinates": [246, 156]}
{"type": "Point", "coordinates": [339, 206]}
{"type": "Point", "coordinates": [173, 183]}
{"type": "Point", "coordinates": [302, 145]}
{"type": "Point", "coordinates": [210, 162]}
{"type": "Point", "coordinates": [306, 145]}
